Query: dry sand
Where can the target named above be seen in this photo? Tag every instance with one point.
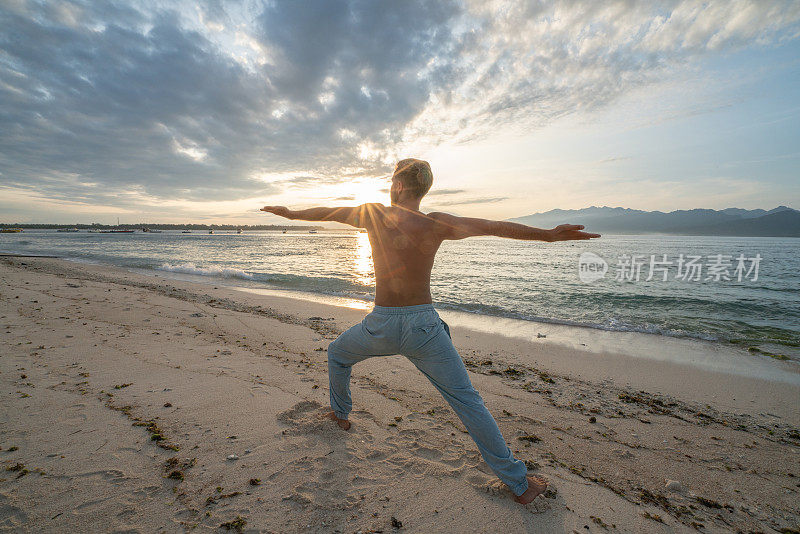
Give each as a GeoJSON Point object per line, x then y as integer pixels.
{"type": "Point", "coordinates": [133, 403]}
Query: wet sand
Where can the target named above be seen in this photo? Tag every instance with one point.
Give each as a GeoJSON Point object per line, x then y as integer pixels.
{"type": "Point", "coordinates": [140, 403]}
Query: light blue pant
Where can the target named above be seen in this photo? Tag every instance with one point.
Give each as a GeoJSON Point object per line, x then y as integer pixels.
{"type": "Point", "coordinates": [420, 335]}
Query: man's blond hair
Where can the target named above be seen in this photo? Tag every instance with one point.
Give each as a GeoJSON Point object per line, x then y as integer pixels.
{"type": "Point", "coordinates": [415, 175]}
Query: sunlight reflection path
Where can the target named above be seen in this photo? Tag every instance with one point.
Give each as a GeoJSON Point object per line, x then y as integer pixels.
{"type": "Point", "coordinates": [362, 260]}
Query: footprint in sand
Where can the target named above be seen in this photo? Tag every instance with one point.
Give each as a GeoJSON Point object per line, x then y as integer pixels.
{"type": "Point", "coordinates": [310, 417]}
{"type": "Point", "coordinates": [13, 516]}
{"type": "Point", "coordinates": [425, 452]}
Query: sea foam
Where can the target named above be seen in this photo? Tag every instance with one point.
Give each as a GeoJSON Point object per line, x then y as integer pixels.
{"type": "Point", "coordinates": [191, 268]}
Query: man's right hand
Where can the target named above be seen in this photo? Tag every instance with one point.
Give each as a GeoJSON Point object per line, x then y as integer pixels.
{"type": "Point", "coordinates": [570, 232]}
{"type": "Point", "coordinates": [282, 211]}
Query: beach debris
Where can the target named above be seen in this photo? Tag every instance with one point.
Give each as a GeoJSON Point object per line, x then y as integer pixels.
{"type": "Point", "coordinates": [18, 468]}
{"type": "Point", "coordinates": [167, 405]}
{"type": "Point", "coordinates": [654, 517]}
{"type": "Point", "coordinates": [255, 481]}
{"type": "Point", "coordinates": [544, 377]}
{"type": "Point", "coordinates": [232, 457]}
{"type": "Point", "coordinates": [214, 499]}
{"type": "Point", "coordinates": [674, 485]}
{"type": "Point", "coordinates": [708, 503]}
{"type": "Point", "coordinates": [175, 475]}
{"type": "Point", "coordinates": [593, 419]}
{"type": "Point", "coordinates": [540, 335]}
{"type": "Point", "coordinates": [550, 492]}
{"type": "Point", "coordinates": [530, 438]}
{"type": "Point", "coordinates": [655, 405]}
{"type": "Point", "coordinates": [532, 465]}
{"type": "Point", "coordinates": [120, 386]}
{"type": "Point", "coordinates": [235, 524]}
{"type": "Point", "coordinates": [600, 522]}
{"type": "Point", "coordinates": [174, 468]}
{"type": "Point", "coordinates": [156, 434]}
{"type": "Point", "coordinates": [396, 523]}
{"type": "Point", "coordinates": [770, 354]}
{"type": "Point", "coordinates": [196, 315]}
{"type": "Point", "coordinates": [247, 451]}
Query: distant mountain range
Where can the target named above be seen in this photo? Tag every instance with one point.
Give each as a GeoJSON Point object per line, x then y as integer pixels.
{"type": "Point", "coordinates": [779, 222]}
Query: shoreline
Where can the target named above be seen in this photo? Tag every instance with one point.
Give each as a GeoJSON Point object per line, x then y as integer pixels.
{"type": "Point", "coordinates": [612, 340]}
{"type": "Point", "coordinates": [104, 350]}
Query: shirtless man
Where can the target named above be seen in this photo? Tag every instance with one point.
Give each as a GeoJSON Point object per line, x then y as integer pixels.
{"type": "Point", "coordinates": [403, 321]}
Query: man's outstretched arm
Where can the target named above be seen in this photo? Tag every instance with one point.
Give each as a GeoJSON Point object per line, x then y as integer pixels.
{"type": "Point", "coordinates": [352, 216]}
{"type": "Point", "coordinates": [454, 227]}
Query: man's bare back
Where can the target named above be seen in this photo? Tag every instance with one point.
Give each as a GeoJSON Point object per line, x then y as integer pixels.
{"type": "Point", "coordinates": [404, 244]}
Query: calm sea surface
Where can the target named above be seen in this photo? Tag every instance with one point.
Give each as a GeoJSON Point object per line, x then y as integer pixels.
{"type": "Point", "coordinates": [492, 276]}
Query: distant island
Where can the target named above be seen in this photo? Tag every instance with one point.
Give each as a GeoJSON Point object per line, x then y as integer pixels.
{"type": "Point", "coordinates": [782, 221]}
{"type": "Point", "coordinates": [779, 222]}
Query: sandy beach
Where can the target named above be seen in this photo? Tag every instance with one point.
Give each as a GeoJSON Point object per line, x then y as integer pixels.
{"type": "Point", "coordinates": [135, 403]}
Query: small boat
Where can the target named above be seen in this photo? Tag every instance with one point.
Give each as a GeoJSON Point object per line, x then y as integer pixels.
{"type": "Point", "coordinates": [284, 231]}
{"type": "Point", "coordinates": [117, 232]}
{"type": "Point", "coordinates": [154, 231]}
{"type": "Point", "coordinates": [186, 232]}
{"type": "Point", "coordinates": [312, 231]}
{"type": "Point", "coordinates": [211, 231]}
{"type": "Point", "coordinates": [10, 230]}
{"type": "Point", "coordinates": [67, 230]}
{"type": "Point", "coordinates": [238, 230]}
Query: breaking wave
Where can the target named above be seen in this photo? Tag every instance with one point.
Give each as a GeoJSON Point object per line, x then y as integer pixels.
{"type": "Point", "coordinates": [191, 268]}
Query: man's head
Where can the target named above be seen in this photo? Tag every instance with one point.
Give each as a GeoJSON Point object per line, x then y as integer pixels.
{"type": "Point", "coordinates": [411, 180]}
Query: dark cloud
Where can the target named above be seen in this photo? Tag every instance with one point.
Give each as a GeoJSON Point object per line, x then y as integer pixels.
{"type": "Point", "coordinates": [123, 103]}
{"type": "Point", "coordinates": [129, 100]}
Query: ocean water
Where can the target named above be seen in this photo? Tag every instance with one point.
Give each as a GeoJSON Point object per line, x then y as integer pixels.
{"type": "Point", "coordinates": [756, 306]}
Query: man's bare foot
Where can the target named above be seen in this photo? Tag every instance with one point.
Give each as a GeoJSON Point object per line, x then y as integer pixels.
{"type": "Point", "coordinates": [536, 486]}
{"type": "Point", "coordinates": [344, 424]}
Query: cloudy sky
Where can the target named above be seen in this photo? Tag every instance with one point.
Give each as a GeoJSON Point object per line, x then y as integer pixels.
{"type": "Point", "coordinates": [206, 110]}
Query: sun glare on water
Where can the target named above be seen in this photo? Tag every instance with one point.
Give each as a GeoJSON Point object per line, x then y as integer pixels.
{"type": "Point", "coordinates": [362, 260]}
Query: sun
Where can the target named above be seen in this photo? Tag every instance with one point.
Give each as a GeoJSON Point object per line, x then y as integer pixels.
{"type": "Point", "coordinates": [369, 191]}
